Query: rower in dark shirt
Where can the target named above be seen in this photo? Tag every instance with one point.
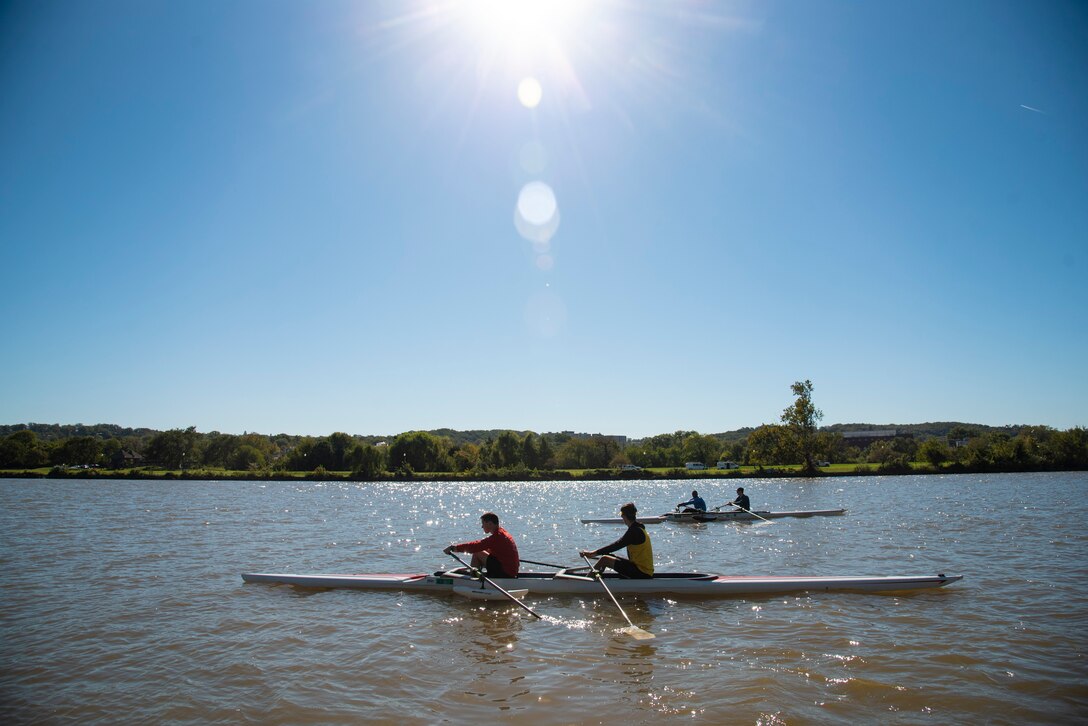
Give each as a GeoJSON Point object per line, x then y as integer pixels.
{"type": "Point", "coordinates": [639, 563]}
{"type": "Point", "coordinates": [742, 501]}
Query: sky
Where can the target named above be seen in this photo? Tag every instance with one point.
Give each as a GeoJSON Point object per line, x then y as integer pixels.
{"type": "Point", "coordinates": [625, 217]}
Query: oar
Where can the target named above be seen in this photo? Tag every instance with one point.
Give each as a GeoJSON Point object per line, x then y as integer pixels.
{"type": "Point", "coordinates": [547, 564]}
{"type": "Point", "coordinates": [634, 631]}
{"type": "Point", "coordinates": [491, 582]}
{"type": "Point", "coordinates": [733, 504]}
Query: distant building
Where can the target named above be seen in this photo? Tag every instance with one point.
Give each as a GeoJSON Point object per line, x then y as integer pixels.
{"type": "Point", "coordinates": [862, 439]}
{"type": "Point", "coordinates": [125, 459]}
{"type": "Point", "coordinates": [621, 440]}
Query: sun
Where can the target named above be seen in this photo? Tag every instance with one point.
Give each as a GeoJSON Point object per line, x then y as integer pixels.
{"type": "Point", "coordinates": [523, 23]}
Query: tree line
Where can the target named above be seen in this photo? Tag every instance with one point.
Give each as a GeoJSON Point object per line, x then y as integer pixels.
{"type": "Point", "coordinates": [796, 439]}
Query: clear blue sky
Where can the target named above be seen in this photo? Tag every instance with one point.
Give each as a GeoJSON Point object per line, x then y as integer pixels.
{"type": "Point", "coordinates": [304, 217]}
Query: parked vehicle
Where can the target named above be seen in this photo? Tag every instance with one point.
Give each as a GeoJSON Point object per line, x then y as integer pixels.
{"type": "Point", "coordinates": [727, 465]}
{"type": "Point", "coordinates": [695, 465]}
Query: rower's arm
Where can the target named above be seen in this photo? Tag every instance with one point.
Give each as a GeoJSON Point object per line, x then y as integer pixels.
{"type": "Point", "coordinates": [630, 537]}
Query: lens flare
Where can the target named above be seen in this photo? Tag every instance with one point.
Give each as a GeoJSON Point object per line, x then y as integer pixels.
{"type": "Point", "coordinates": [536, 203]}
{"type": "Point", "coordinates": [530, 92]}
{"type": "Point", "coordinates": [536, 216]}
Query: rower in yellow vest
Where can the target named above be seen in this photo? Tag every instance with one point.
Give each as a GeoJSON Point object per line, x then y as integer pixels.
{"type": "Point", "coordinates": [639, 563]}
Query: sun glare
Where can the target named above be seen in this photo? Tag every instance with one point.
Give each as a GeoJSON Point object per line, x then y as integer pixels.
{"type": "Point", "coordinates": [523, 22]}
{"type": "Point", "coordinates": [530, 92]}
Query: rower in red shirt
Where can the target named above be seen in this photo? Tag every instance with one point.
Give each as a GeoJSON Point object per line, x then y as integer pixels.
{"type": "Point", "coordinates": [497, 553]}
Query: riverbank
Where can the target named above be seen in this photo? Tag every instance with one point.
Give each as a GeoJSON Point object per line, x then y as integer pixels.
{"type": "Point", "coordinates": [663, 473]}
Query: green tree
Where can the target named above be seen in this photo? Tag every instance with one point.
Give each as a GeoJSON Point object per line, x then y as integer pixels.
{"type": "Point", "coordinates": [420, 451]}
{"type": "Point", "coordinates": [339, 443]}
{"type": "Point", "coordinates": [466, 457]}
{"type": "Point", "coordinates": [247, 457]}
{"type": "Point", "coordinates": [935, 451]}
{"type": "Point", "coordinates": [77, 451]}
{"type": "Point", "coordinates": [770, 444]}
{"type": "Point", "coordinates": [506, 451]}
{"type": "Point", "coordinates": [530, 452]}
{"type": "Point", "coordinates": [881, 452]}
{"type": "Point", "coordinates": [595, 452]}
{"type": "Point", "coordinates": [22, 450]}
{"type": "Point", "coordinates": [830, 446]}
{"type": "Point", "coordinates": [733, 451]}
{"type": "Point", "coordinates": [1068, 449]}
{"type": "Point", "coordinates": [220, 449]}
{"type": "Point", "coordinates": [110, 447]}
{"type": "Point", "coordinates": [174, 448]}
{"type": "Point", "coordinates": [802, 417]}
{"type": "Point", "coordinates": [545, 454]}
{"type": "Point", "coordinates": [367, 462]}
{"type": "Point", "coordinates": [701, 448]}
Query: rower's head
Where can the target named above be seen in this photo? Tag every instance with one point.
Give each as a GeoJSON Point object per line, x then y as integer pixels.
{"type": "Point", "coordinates": [740, 490]}
{"type": "Point", "coordinates": [628, 512]}
{"type": "Point", "coordinates": [694, 493]}
{"type": "Point", "coordinates": [489, 521]}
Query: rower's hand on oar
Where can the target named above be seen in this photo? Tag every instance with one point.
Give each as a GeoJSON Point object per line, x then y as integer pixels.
{"type": "Point", "coordinates": [585, 553]}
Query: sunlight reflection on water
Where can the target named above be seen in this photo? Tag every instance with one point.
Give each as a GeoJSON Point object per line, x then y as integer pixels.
{"type": "Point", "coordinates": [122, 586]}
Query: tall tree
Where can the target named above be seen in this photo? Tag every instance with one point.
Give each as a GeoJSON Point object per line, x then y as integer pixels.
{"type": "Point", "coordinates": [801, 417]}
{"type": "Point", "coordinates": [420, 451]}
{"type": "Point", "coordinates": [339, 443]}
{"type": "Point", "coordinates": [77, 450]}
{"type": "Point", "coordinates": [366, 461]}
{"type": "Point", "coordinates": [174, 449]}
{"type": "Point", "coordinates": [22, 450]}
{"type": "Point", "coordinates": [698, 447]}
{"type": "Point", "coordinates": [506, 451]}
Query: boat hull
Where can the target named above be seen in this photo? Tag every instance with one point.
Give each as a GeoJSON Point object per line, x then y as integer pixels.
{"type": "Point", "coordinates": [737, 516]}
{"type": "Point", "coordinates": [730, 516]}
{"type": "Point", "coordinates": [546, 583]}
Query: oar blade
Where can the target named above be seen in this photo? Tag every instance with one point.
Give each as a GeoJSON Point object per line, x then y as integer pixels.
{"type": "Point", "coordinates": [637, 633]}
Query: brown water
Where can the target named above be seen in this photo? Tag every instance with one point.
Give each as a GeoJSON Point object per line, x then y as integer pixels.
{"type": "Point", "coordinates": [122, 603]}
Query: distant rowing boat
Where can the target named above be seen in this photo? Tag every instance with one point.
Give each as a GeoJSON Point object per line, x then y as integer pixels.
{"type": "Point", "coordinates": [573, 581]}
{"type": "Point", "coordinates": [730, 516]}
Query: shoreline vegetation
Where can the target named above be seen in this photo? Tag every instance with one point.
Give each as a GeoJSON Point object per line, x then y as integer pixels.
{"type": "Point", "coordinates": [796, 447]}
{"type": "Point", "coordinates": [517, 474]}
{"type": "Point", "coordinates": [108, 452]}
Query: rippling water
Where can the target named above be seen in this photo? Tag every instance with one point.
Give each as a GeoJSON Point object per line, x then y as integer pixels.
{"type": "Point", "coordinates": [122, 603]}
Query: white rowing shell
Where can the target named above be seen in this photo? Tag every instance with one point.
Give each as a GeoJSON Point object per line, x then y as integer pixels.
{"type": "Point", "coordinates": [476, 593]}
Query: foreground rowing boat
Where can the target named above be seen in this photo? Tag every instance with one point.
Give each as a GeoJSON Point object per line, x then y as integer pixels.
{"type": "Point", "coordinates": [728, 516]}
{"type": "Point", "coordinates": [574, 581]}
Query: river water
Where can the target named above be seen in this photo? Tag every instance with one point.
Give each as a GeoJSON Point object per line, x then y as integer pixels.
{"type": "Point", "coordinates": [122, 603]}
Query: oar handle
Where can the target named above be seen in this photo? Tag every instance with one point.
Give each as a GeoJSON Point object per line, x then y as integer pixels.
{"type": "Point", "coordinates": [489, 581]}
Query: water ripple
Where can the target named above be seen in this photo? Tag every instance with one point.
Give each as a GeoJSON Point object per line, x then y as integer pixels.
{"type": "Point", "coordinates": [123, 604]}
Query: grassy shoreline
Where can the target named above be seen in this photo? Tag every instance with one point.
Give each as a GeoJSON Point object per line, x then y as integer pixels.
{"type": "Point", "coordinates": [664, 473]}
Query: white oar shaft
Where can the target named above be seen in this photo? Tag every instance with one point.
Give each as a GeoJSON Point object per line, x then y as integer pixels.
{"type": "Point", "coordinates": [600, 579]}
{"type": "Point", "coordinates": [734, 504]}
